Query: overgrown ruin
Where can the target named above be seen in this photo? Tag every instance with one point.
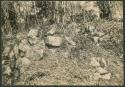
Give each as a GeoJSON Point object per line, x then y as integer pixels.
{"type": "Point", "coordinates": [62, 42]}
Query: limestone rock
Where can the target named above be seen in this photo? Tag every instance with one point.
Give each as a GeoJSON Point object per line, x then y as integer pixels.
{"type": "Point", "coordinates": [16, 49]}
{"type": "Point", "coordinates": [7, 71]}
{"type": "Point", "coordinates": [23, 47]}
{"type": "Point", "coordinates": [91, 28]}
{"type": "Point", "coordinates": [6, 51]}
{"type": "Point", "coordinates": [106, 76]}
{"type": "Point", "coordinates": [97, 76]}
{"type": "Point", "coordinates": [121, 56]}
{"type": "Point", "coordinates": [36, 51]}
{"type": "Point", "coordinates": [35, 55]}
{"type": "Point", "coordinates": [53, 41]}
{"type": "Point", "coordinates": [52, 30]}
{"type": "Point", "coordinates": [101, 70]}
{"type": "Point", "coordinates": [25, 61]}
{"type": "Point", "coordinates": [20, 36]}
{"type": "Point", "coordinates": [11, 54]}
{"type": "Point", "coordinates": [24, 41]}
{"type": "Point", "coordinates": [100, 34]}
{"type": "Point", "coordinates": [33, 33]}
{"type": "Point", "coordinates": [95, 39]}
{"type": "Point", "coordinates": [102, 62]}
{"type": "Point", "coordinates": [3, 62]}
{"type": "Point", "coordinates": [94, 62]}
{"type": "Point", "coordinates": [33, 41]}
{"type": "Point", "coordinates": [40, 53]}
{"type": "Point", "coordinates": [39, 45]}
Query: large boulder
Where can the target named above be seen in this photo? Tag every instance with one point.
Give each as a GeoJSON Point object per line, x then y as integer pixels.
{"type": "Point", "coordinates": [35, 55]}
{"type": "Point", "coordinates": [53, 41]}
{"type": "Point", "coordinates": [33, 52]}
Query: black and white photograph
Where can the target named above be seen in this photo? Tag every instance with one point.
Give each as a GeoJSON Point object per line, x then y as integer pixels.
{"type": "Point", "coordinates": [67, 43]}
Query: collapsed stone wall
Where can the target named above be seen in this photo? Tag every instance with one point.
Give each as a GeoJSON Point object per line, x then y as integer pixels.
{"type": "Point", "coordinates": [74, 42]}
{"type": "Point", "coordinates": [65, 40]}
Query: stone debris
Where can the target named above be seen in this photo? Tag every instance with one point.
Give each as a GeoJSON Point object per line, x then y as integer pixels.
{"type": "Point", "coordinates": [35, 55]}
{"type": "Point", "coordinates": [21, 36]}
{"type": "Point", "coordinates": [101, 70]}
{"type": "Point", "coordinates": [102, 62]}
{"type": "Point", "coordinates": [33, 41]}
{"type": "Point", "coordinates": [6, 51]}
{"type": "Point", "coordinates": [97, 76]}
{"type": "Point", "coordinates": [23, 47]}
{"type": "Point", "coordinates": [34, 50]}
{"type": "Point", "coordinates": [24, 64]}
{"type": "Point", "coordinates": [11, 54]}
{"type": "Point", "coordinates": [94, 62]}
{"type": "Point", "coordinates": [70, 40]}
{"type": "Point", "coordinates": [40, 52]}
{"type": "Point", "coordinates": [121, 56]}
{"type": "Point", "coordinates": [7, 71]}
{"type": "Point", "coordinates": [3, 62]}
{"type": "Point", "coordinates": [52, 31]}
{"type": "Point", "coordinates": [53, 41]}
{"type": "Point", "coordinates": [95, 39]}
{"type": "Point", "coordinates": [16, 49]}
{"type": "Point", "coordinates": [40, 45]}
{"type": "Point", "coordinates": [100, 34]}
{"type": "Point", "coordinates": [24, 41]}
{"type": "Point", "coordinates": [106, 76]}
{"type": "Point", "coordinates": [25, 61]}
{"type": "Point", "coordinates": [33, 33]}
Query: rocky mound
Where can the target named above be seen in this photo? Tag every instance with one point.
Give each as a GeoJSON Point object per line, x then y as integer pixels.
{"type": "Point", "coordinates": [76, 54]}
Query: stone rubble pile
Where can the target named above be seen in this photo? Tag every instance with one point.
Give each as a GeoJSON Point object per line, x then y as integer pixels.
{"type": "Point", "coordinates": [32, 48]}
{"type": "Point", "coordinates": [101, 72]}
